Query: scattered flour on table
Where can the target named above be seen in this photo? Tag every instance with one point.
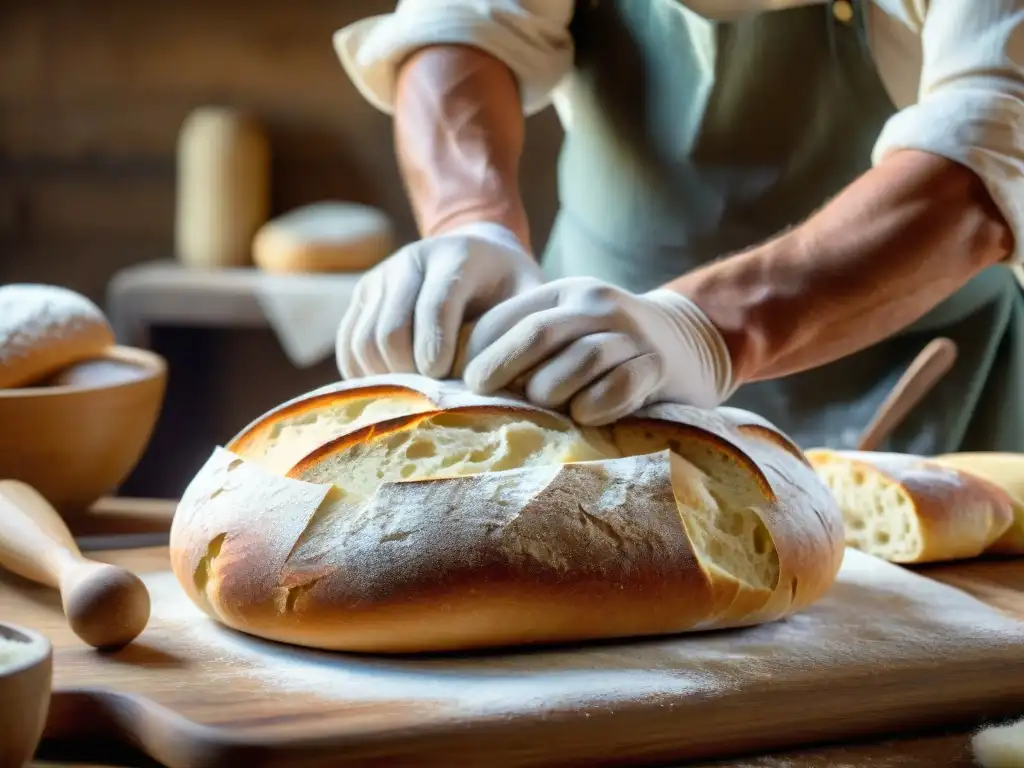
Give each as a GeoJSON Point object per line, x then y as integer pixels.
{"type": "Point", "coordinates": [877, 616]}
{"type": "Point", "coordinates": [1000, 746]}
{"type": "Point", "coordinates": [484, 683]}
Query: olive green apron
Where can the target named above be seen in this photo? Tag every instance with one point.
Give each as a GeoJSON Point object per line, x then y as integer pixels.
{"type": "Point", "coordinates": [690, 139]}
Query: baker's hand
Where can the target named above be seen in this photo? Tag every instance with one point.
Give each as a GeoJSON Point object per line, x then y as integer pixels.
{"type": "Point", "coordinates": [600, 349]}
{"type": "Point", "coordinates": [406, 312]}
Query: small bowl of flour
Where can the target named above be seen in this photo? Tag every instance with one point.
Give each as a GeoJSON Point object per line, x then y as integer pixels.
{"type": "Point", "coordinates": [26, 676]}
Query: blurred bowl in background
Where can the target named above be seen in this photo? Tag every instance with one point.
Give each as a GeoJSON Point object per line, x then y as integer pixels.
{"type": "Point", "coordinates": [76, 436]}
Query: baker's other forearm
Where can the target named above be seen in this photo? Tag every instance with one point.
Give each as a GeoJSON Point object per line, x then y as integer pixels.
{"type": "Point", "coordinates": [890, 247]}
{"type": "Point", "coordinates": [459, 133]}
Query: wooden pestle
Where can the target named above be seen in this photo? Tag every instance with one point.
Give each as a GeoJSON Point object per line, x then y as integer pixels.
{"type": "Point", "coordinates": [105, 606]}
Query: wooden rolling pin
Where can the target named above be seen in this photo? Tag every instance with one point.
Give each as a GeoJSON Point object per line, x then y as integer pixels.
{"type": "Point", "coordinates": [106, 606]}
{"type": "Point", "coordinates": [927, 369]}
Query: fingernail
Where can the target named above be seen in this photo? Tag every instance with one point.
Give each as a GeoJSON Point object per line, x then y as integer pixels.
{"type": "Point", "coordinates": [435, 371]}
{"type": "Point", "coordinates": [470, 377]}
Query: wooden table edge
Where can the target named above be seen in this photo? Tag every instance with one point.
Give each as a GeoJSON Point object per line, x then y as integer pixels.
{"type": "Point", "coordinates": [998, 583]}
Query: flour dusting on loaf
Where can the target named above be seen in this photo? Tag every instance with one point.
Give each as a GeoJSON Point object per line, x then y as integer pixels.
{"type": "Point", "coordinates": [402, 514]}
{"type": "Point", "coordinates": [44, 328]}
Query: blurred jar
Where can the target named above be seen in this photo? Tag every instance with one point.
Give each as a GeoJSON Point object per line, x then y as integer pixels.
{"type": "Point", "coordinates": [223, 188]}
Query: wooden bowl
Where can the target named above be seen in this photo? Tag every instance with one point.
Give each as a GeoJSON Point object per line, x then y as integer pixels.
{"type": "Point", "coordinates": [78, 435]}
{"type": "Point", "coordinates": [25, 683]}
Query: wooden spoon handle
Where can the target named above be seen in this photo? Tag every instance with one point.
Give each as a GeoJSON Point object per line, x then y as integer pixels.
{"type": "Point", "coordinates": [930, 365]}
{"type": "Point", "coordinates": [34, 541]}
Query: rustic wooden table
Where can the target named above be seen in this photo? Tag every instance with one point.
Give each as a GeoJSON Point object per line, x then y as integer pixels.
{"type": "Point", "coordinates": [999, 584]}
{"type": "Point", "coordinates": [940, 751]}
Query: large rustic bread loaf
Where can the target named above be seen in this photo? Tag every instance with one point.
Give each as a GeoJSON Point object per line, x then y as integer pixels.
{"type": "Point", "coordinates": [909, 509]}
{"type": "Point", "coordinates": [401, 514]}
{"type": "Point", "coordinates": [44, 328]}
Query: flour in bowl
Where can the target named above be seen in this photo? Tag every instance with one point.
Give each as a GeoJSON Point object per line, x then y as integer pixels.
{"type": "Point", "coordinates": [14, 653]}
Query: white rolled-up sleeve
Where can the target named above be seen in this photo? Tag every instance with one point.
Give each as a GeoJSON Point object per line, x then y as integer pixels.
{"type": "Point", "coordinates": [970, 106]}
{"type": "Point", "coordinates": [530, 36]}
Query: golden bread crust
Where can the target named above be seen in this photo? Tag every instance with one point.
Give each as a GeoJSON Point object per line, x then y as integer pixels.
{"type": "Point", "coordinates": [1006, 470]}
{"type": "Point", "coordinates": [628, 541]}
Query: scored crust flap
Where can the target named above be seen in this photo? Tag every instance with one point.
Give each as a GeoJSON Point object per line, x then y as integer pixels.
{"type": "Point", "coordinates": [236, 521]}
{"type": "Point", "coordinates": [758, 468]}
{"type": "Point", "coordinates": [283, 435]}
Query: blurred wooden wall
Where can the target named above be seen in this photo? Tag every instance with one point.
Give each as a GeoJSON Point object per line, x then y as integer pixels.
{"type": "Point", "coordinates": [92, 94]}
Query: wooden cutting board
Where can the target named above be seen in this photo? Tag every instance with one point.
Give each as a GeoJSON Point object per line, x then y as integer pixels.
{"type": "Point", "coordinates": [887, 650]}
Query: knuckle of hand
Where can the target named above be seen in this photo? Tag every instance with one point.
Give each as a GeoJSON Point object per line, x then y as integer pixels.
{"type": "Point", "coordinates": [407, 259]}
{"type": "Point", "coordinates": [540, 334]}
{"type": "Point", "coordinates": [595, 299]}
{"type": "Point", "coordinates": [625, 377]}
{"type": "Point", "coordinates": [594, 352]}
{"type": "Point", "coordinates": [447, 247]}
{"type": "Point", "coordinates": [363, 343]}
{"type": "Point", "coordinates": [657, 365]}
{"type": "Point", "coordinates": [602, 292]}
{"type": "Point", "coordinates": [592, 288]}
{"type": "Point", "coordinates": [389, 336]}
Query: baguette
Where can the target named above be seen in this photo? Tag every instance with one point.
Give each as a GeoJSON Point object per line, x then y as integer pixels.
{"type": "Point", "coordinates": [44, 328]}
{"type": "Point", "coordinates": [1007, 471]}
{"type": "Point", "coordinates": [908, 509]}
{"type": "Point", "coordinates": [401, 514]}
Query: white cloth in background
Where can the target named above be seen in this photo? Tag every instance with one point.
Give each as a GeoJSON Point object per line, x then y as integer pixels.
{"type": "Point", "coordinates": [304, 311]}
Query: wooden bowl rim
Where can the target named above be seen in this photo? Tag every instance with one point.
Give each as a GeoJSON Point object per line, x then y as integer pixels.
{"type": "Point", "coordinates": [150, 364]}
{"type": "Point", "coordinates": [42, 648]}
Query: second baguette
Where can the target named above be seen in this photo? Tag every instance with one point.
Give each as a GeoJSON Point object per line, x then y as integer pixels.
{"type": "Point", "coordinates": [1007, 471]}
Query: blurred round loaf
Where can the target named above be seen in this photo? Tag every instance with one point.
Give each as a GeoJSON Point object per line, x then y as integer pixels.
{"type": "Point", "coordinates": [324, 237]}
{"type": "Point", "coordinates": [44, 328]}
{"type": "Point", "coordinates": [401, 514]}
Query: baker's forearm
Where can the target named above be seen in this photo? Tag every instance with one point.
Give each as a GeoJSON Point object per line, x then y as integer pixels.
{"type": "Point", "coordinates": [459, 131]}
{"type": "Point", "coordinates": [886, 250]}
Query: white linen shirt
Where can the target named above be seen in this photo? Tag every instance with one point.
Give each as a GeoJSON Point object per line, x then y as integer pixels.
{"type": "Point", "coordinates": [953, 68]}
